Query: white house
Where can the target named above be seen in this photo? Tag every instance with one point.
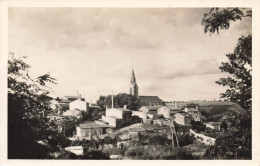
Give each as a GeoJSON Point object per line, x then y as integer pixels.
{"type": "Point", "coordinates": [168, 111]}
{"type": "Point", "coordinates": [79, 105]}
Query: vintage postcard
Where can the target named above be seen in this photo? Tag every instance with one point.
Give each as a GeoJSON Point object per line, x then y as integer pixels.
{"type": "Point", "coordinates": [138, 81]}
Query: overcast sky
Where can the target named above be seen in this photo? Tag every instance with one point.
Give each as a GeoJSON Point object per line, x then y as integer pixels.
{"type": "Point", "coordinates": [92, 50]}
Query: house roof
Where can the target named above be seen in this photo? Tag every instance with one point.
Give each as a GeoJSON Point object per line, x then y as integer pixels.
{"type": "Point", "coordinates": [123, 109]}
{"type": "Point", "coordinates": [215, 123]}
{"type": "Point", "coordinates": [182, 113]}
{"type": "Point", "coordinates": [151, 107]}
{"type": "Point", "coordinates": [172, 107]}
{"type": "Point", "coordinates": [73, 112]}
{"type": "Point", "coordinates": [150, 99]}
{"type": "Point", "coordinates": [93, 124]}
{"type": "Point", "coordinates": [64, 101]}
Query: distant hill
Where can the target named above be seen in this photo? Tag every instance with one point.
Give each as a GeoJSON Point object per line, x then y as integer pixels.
{"type": "Point", "coordinates": [213, 110]}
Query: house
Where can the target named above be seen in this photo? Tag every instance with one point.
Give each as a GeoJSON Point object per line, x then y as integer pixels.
{"type": "Point", "coordinates": [182, 118]}
{"type": "Point", "coordinates": [79, 105]}
{"type": "Point", "coordinates": [143, 116]}
{"type": "Point", "coordinates": [151, 101]}
{"type": "Point", "coordinates": [118, 117]}
{"type": "Point", "coordinates": [194, 112]}
{"type": "Point", "coordinates": [214, 125]}
{"type": "Point", "coordinates": [89, 129]}
{"type": "Point", "coordinates": [149, 109]}
{"type": "Point", "coordinates": [168, 111]}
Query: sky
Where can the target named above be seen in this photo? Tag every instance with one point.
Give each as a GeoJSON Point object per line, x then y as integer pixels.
{"type": "Point", "coordinates": [93, 50]}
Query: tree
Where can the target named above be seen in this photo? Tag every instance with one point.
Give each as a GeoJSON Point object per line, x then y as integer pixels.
{"type": "Point", "coordinates": [120, 100]}
{"type": "Point", "coordinates": [218, 19]}
{"type": "Point", "coordinates": [240, 69]}
{"type": "Point", "coordinates": [27, 113]}
{"type": "Point", "coordinates": [235, 142]}
{"type": "Point", "coordinates": [239, 65]}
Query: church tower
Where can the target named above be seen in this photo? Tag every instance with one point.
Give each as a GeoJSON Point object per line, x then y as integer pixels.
{"type": "Point", "coordinates": [133, 85]}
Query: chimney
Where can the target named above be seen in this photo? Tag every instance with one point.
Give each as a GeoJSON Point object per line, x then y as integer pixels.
{"type": "Point", "coordinates": [197, 107]}
{"type": "Point", "coordinates": [175, 104]}
{"type": "Point", "coordinates": [125, 107]}
{"type": "Point", "coordinates": [79, 97]}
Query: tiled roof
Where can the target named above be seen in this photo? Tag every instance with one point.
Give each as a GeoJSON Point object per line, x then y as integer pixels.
{"type": "Point", "coordinates": [152, 107]}
{"type": "Point", "coordinates": [172, 107]}
{"type": "Point", "coordinates": [152, 99]}
{"type": "Point", "coordinates": [73, 112]}
{"type": "Point", "coordinates": [64, 101]}
{"type": "Point", "coordinates": [123, 109]}
{"type": "Point", "coordinates": [90, 125]}
{"type": "Point", "coordinates": [215, 123]}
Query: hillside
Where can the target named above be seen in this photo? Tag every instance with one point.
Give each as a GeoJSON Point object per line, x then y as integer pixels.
{"type": "Point", "coordinates": [213, 110]}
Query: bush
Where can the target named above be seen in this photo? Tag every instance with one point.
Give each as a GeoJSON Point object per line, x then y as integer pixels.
{"type": "Point", "coordinates": [95, 154]}
{"type": "Point", "coordinates": [155, 153]}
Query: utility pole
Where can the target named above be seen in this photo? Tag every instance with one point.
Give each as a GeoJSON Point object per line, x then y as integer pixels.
{"type": "Point", "coordinates": [175, 133]}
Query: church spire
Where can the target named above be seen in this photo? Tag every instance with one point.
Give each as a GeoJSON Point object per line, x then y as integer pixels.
{"type": "Point", "coordinates": [133, 86]}
{"type": "Point", "coordinates": [133, 80]}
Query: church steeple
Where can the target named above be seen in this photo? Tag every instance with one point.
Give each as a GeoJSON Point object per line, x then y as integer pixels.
{"type": "Point", "coordinates": [133, 85]}
{"type": "Point", "coordinates": [133, 80]}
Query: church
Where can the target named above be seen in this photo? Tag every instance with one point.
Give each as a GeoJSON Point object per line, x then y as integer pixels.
{"type": "Point", "coordinates": [146, 100]}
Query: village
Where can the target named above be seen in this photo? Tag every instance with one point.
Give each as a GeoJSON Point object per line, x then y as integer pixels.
{"type": "Point", "coordinates": [176, 117]}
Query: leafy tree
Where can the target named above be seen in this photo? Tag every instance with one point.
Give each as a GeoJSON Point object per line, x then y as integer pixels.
{"type": "Point", "coordinates": [239, 65]}
{"type": "Point", "coordinates": [218, 19]}
{"type": "Point", "coordinates": [27, 113]}
{"type": "Point", "coordinates": [192, 105]}
{"type": "Point", "coordinates": [240, 69]}
{"type": "Point", "coordinates": [120, 100]}
{"type": "Point", "coordinates": [235, 142]}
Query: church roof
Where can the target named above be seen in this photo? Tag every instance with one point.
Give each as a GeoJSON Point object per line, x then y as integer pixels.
{"type": "Point", "coordinates": [150, 99]}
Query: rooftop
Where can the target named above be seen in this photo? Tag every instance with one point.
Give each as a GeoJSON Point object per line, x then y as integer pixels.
{"type": "Point", "coordinates": [93, 124]}
{"type": "Point", "coordinates": [152, 107]}
{"type": "Point", "coordinates": [172, 107]}
{"type": "Point", "coordinates": [215, 123]}
{"type": "Point", "coordinates": [73, 112]}
{"type": "Point", "coordinates": [153, 99]}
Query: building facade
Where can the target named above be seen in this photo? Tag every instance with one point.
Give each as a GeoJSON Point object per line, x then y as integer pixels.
{"type": "Point", "coordinates": [168, 111]}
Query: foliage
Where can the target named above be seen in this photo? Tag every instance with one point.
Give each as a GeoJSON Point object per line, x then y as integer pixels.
{"type": "Point", "coordinates": [192, 105]}
{"type": "Point", "coordinates": [95, 154]}
{"type": "Point", "coordinates": [153, 153]}
{"type": "Point", "coordinates": [185, 139]}
{"type": "Point", "coordinates": [218, 19]}
{"type": "Point", "coordinates": [236, 142]}
{"type": "Point", "coordinates": [69, 126]}
{"type": "Point", "coordinates": [27, 113]}
{"type": "Point", "coordinates": [121, 99]}
{"type": "Point", "coordinates": [66, 155]}
{"type": "Point", "coordinates": [240, 68]}
{"type": "Point", "coordinates": [240, 62]}
{"type": "Point", "coordinates": [198, 126]}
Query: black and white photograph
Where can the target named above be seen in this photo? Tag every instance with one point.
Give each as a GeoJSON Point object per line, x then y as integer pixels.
{"type": "Point", "coordinates": [129, 83]}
